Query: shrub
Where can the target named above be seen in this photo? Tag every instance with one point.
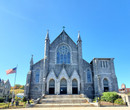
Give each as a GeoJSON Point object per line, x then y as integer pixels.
{"type": "Point", "coordinates": [17, 98]}
{"type": "Point", "coordinates": [119, 101]}
{"type": "Point", "coordinates": [31, 101]}
{"type": "Point", "coordinates": [24, 99]}
{"type": "Point", "coordinates": [109, 96]}
{"type": "Point", "coordinates": [2, 99]}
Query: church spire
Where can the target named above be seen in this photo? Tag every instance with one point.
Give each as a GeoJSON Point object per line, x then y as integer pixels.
{"type": "Point", "coordinates": [79, 38]}
{"type": "Point", "coordinates": [31, 62]}
{"type": "Point", "coordinates": [47, 35]}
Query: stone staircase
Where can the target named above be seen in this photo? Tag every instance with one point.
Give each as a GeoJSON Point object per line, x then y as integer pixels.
{"type": "Point", "coordinates": [63, 101]}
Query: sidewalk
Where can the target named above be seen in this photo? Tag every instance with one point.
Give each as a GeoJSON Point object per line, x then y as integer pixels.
{"type": "Point", "coordinates": [75, 108]}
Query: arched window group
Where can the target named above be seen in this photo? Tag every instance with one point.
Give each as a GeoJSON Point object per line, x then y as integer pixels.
{"type": "Point", "coordinates": [89, 79]}
{"type": "Point", "coordinates": [37, 73]}
{"type": "Point", "coordinates": [63, 86]}
{"type": "Point", "coordinates": [63, 55]}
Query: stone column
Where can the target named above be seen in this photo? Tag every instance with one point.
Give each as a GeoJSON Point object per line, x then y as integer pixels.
{"type": "Point", "coordinates": [43, 87]}
{"type": "Point", "coordinates": [99, 84]}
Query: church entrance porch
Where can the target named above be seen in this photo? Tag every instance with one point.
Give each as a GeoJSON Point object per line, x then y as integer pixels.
{"type": "Point", "coordinates": [63, 86]}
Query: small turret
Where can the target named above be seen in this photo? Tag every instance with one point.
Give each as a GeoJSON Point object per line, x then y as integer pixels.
{"type": "Point", "coordinates": [79, 38]}
{"type": "Point", "coordinates": [47, 36]}
{"type": "Point", "coordinates": [79, 44]}
{"type": "Point", "coordinates": [47, 44]}
{"type": "Point", "coordinates": [31, 62]}
{"type": "Point", "coordinates": [80, 61]}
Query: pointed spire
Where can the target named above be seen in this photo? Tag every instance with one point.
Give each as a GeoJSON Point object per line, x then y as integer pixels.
{"type": "Point", "coordinates": [31, 62]}
{"type": "Point", "coordinates": [79, 38]}
{"type": "Point", "coordinates": [47, 35]}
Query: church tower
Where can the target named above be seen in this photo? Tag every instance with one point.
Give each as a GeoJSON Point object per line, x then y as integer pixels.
{"type": "Point", "coordinates": [45, 61]}
{"type": "Point", "coordinates": [46, 54]}
{"type": "Point", "coordinates": [80, 61]}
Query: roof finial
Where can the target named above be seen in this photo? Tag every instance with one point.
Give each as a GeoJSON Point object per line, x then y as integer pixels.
{"type": "Point", "coordinates": [47, 35]}
{"type": "Point", "coordinates": [63, 27]}
{"type": "Point", "coordinates": [79, 38]}
{"type": "Point", "coordinates": [31, 62]}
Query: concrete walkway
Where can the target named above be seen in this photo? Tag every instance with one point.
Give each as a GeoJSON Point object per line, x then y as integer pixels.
{"type": "Point", "coordinates": [76, 108]}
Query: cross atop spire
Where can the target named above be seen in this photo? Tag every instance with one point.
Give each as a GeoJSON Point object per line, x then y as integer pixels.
{"type": "Point", "coordinates": [63, 27]}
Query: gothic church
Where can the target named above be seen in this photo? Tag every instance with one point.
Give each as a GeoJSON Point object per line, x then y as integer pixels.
{"type": "Point", "coordinates": [64, 71]}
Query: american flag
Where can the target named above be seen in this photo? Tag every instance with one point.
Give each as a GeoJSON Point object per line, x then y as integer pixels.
{"type": "Point", "coordinates": [11, 71]}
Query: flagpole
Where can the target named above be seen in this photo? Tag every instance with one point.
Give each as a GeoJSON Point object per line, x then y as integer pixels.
{"type": "Point", "coordinates": [14, 84]}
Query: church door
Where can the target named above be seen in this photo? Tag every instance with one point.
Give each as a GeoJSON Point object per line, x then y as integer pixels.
{"type": "Point", "coordinates": [63, 86]}
{"type": "Point", "coordinates": [52, 86]}
{"type": "Point", "coordinates": [74, 86]}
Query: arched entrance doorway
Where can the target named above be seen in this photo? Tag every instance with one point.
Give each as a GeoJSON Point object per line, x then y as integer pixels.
{"type": "Point", "coordinates": [74, 86]}
{"type": "Point", "coordinates": [52, 86]}
{"type": "Point", "coordinates": [105, 84]}
{"type": "Point", "coordinates": [63, 86]}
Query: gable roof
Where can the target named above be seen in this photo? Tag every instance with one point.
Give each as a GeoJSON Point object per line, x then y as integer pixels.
{"type": "Point", "coordinates": [63, 32]}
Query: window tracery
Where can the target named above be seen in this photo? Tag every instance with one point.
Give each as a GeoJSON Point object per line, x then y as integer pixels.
{"type": "Point", "coordinates": [63, 55]}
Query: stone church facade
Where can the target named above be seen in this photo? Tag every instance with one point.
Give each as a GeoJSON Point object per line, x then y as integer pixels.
{"type": "Point", "coordinates": [64, 71]}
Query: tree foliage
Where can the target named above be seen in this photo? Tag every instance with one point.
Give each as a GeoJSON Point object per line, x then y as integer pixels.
{"type": "Point", "coordinates": [18, 86]}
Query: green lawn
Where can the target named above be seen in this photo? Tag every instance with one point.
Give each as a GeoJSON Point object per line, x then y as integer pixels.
{"type": "Point", "coordinates": [8, 105]}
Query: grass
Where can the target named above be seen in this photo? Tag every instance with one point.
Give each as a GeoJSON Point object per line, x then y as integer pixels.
{"type": "Point", "coordinates": [3, 105]}
{"type": "Point", "coordinates": [8, 105]}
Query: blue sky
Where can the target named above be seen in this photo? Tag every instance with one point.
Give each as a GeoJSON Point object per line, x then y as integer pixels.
{"type": "Point", "coordinates": [104, 27]}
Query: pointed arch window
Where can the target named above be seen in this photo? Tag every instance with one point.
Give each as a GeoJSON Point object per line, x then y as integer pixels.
{"type": "Point", "coordinates": [63, 55]}
{"type": "Point", "coordinates": [37, 73]}
{"type": "Point", "coordinates": [89, 76]}
{"type": "Point", "coordinates": [106, 85]}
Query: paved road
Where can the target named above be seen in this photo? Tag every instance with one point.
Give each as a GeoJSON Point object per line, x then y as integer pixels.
{"type": "Point", "coordinates": [76, 108]}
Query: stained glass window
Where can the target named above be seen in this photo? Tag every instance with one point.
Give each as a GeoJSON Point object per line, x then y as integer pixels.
{"type": "Point", "coordinates": [37, 73]}
{"type": "Point", "coordinates": [63, 55]}
{"type": "Point", "coordinates": [88, 76]}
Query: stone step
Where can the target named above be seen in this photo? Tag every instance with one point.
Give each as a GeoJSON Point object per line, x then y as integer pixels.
{"type": "Point", "coordinates": [65, 105]}
{"type": "Point", "coordinates": [63, 96]}
{"type": "Point", "coordinates": [63, 100]}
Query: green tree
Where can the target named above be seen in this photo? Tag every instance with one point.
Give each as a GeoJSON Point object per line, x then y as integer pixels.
{"type": "Point", "coordinates": [22, 87]}
{"type": "Point", "coordinates": [17, 86]}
